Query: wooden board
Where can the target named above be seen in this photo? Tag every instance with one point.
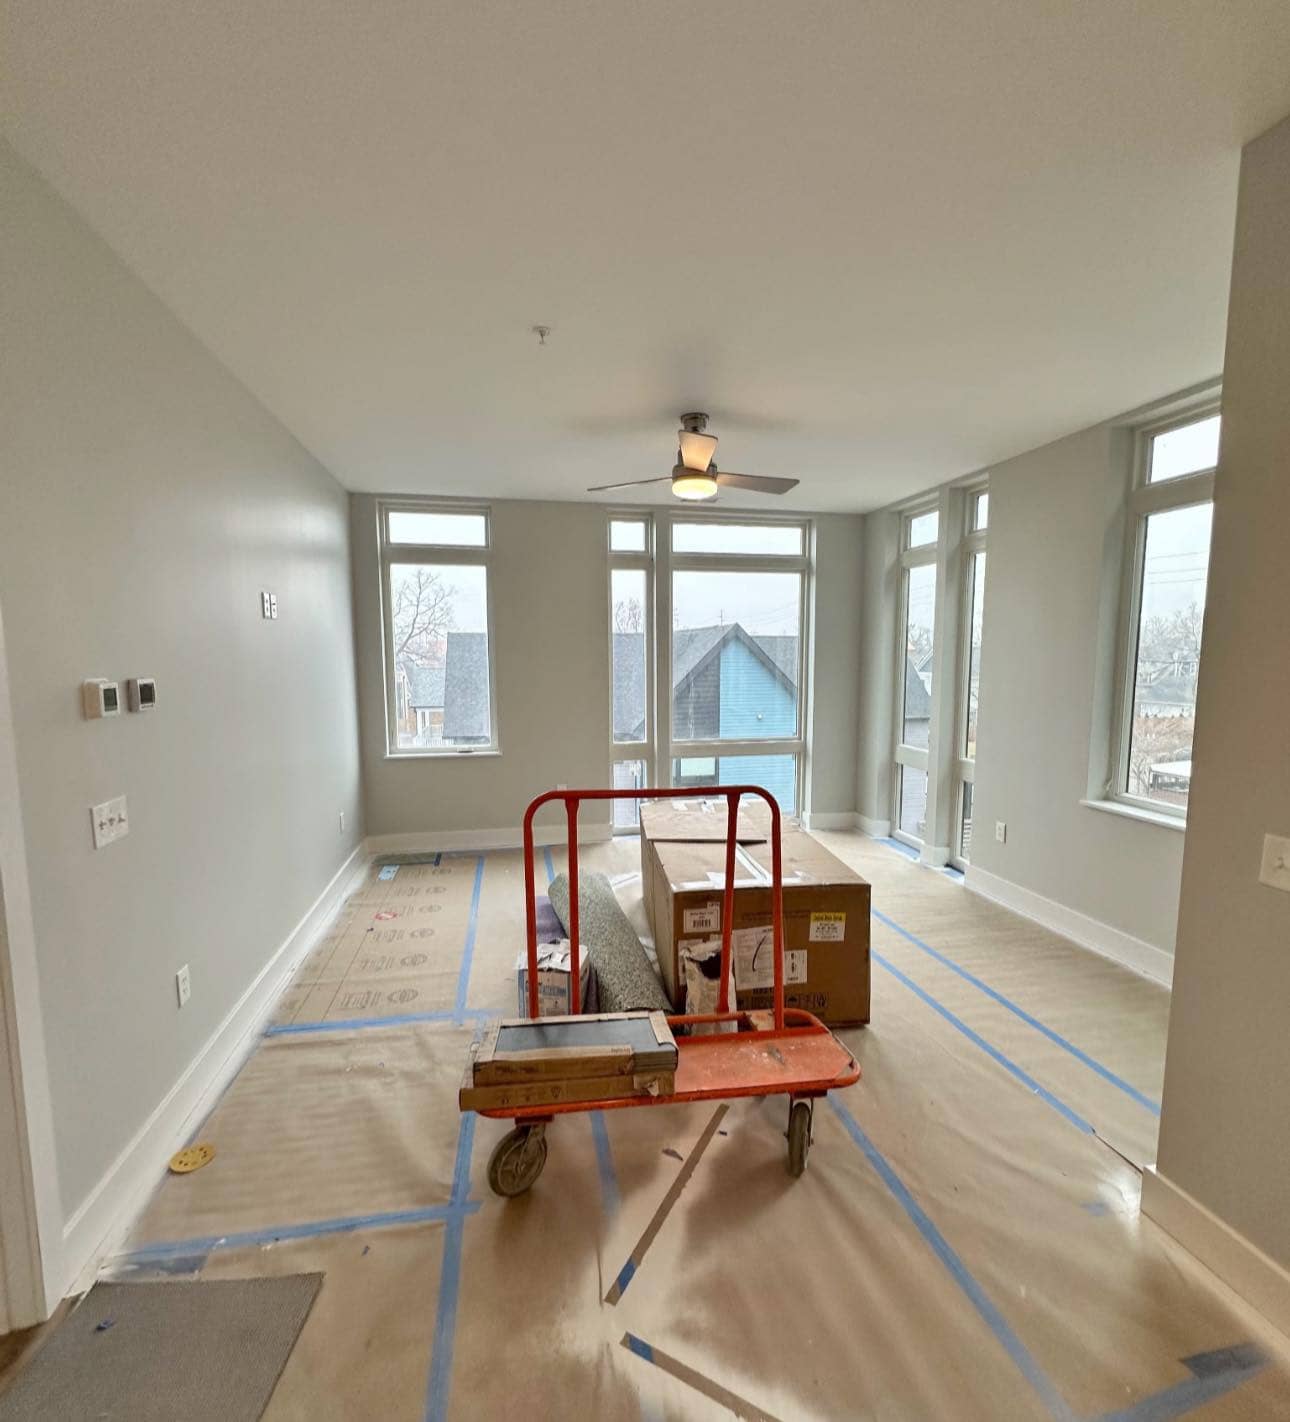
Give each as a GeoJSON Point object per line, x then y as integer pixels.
{"type": "Point", "coordinates": [514, 1095]}
{"type": "Point", "coordinates": [570, 1048]}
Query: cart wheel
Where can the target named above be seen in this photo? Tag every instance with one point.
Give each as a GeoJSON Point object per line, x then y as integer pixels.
{"type": "Point", "coordinates": [799, 1136]}
{"type": "Point", "coordinates": [517, 1160]}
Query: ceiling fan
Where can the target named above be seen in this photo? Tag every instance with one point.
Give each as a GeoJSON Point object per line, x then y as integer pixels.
{"type": "Point", "coordinates": [694, 476]}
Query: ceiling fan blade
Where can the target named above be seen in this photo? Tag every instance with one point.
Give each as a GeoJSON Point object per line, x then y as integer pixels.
{"type": "Point", "coordinates": [757, 483]}
{"type": "Point", "coordinates": [696, 449]}
{"type": "Point", "coordinates": [630, 484]}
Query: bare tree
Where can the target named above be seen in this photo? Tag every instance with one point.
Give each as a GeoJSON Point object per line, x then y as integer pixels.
{"type": "Point", "coordinates": [1170, 639]}
{"type": "Point", "coordinates": [423, 615]}
{"type": "Point", "coordinates": [629, 615]}
{"type": "Point", "coordinates": [1156, 740]}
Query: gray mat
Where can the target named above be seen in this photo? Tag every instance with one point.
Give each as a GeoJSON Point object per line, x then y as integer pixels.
{"type": "Point", "coordinates": [204, 1352]}
{"type": "Point", "coordinates": [625, 978]}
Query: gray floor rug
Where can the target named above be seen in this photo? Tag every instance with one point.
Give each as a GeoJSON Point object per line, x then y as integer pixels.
{"type": "Point", "coordinates": [204, 1352]}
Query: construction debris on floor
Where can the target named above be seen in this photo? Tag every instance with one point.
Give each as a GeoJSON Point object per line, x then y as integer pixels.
{"type": "Point", "coordinates": [966, 1244]}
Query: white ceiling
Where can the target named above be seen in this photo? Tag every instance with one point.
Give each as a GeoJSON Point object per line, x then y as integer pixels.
{"type": "Point", "coordinates": [882, 243]}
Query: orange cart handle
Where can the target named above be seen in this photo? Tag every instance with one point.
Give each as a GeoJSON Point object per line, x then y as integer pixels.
{"type": "Point", "coordinates": [733, 794]}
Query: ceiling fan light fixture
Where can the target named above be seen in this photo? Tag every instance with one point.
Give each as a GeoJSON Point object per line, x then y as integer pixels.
{"type": "Point", "coordinates": [692, 485]}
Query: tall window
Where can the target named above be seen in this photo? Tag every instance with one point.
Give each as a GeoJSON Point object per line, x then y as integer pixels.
{"type": "Point", "coordinates": [631, 660]}
{"type": "Point", "coordinates": [970, 636]}
{"type": "Point", "coordinates": [439, 695]}
{"type": "Point", "coordinates": [1168, 564]}
{"type": "Point", "coordinates": [737, 654]}
{"type": "Point", "coordinates": [915, 672]}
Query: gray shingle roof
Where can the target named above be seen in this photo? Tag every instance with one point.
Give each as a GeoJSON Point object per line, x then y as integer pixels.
{"type": "Point", "coordinates": [465, 689]}
{"type": "Point", "coordinates": [918, 704]}
{"type": "Point", "coordinates": [425, 686]}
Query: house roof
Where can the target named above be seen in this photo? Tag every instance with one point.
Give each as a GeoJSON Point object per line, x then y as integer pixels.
{"type": "Point", "coordinates": [918, 704]}
{"type": "Point", "coordinates": [425, 686]}
{"type": "Point", "coordinates": [465, 689]}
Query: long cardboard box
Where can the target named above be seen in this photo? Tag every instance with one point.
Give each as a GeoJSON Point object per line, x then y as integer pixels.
{"type": "Point", "coordinates": [826, 909]}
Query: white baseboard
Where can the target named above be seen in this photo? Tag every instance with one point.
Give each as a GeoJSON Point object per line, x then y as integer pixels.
{"type": "Point", "coordinates": [436, 841]}
{"type": "Point", "coordinates": [98, 1223]}
{"type": "Point", "coordinates": [829, 820]}
{"type": "Point", "coordinates": [1092, 933]}
{"type": "Point", "coordinates": [1242, 1266]}
{"type": "Point", "coordinates": [879, 829]}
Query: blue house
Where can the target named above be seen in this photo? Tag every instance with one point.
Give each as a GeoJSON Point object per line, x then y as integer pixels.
{"type": "Point", "coordinates": [728, 684]}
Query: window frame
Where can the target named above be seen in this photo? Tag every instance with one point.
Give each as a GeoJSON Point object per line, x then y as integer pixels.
{"type": "Point", "coordinates": [629, 561]}
{"type": "Point", "coordinates": [1144, 500]}
{"type": "Point", "coordinates": [907, 756]}
{"type": "Point", "coordinates": [669, 750]}
{"type": "Point", "coordinates": [432, 554]}
{"type": "Point", "coordinates": [973, 541]}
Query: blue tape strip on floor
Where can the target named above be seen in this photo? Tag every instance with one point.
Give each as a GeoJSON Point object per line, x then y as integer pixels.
{"type": "Point", "coordinates": [439, 1383]}
{"type": "Point", "coordinates": [358, 1024]}
{"type": "Point", "coordinates": [980, 1301]}
{"type": "Point", "coordinates": [993, 1052]}
{"type": "Point", "coordinates": [1215, 1373]}
{"type": "Point", "coordinates": [1055, 1037]}
{"type": "Point", "coordinates": [344, 1224]}
{"type": "Point", "coordinates": [468, 951]}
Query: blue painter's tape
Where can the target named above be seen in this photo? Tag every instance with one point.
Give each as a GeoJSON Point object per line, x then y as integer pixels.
{"type": "Point", "coordinates": [468, 951]}
{"type": "Point", "coordinates": [639, 1347]}
{"type": "Point", "coordinates": [438, 860]}
{"type": "Point", "coordinates": [388, 871]}
{"type": "Point", "coordinates": [345, 1224]}
{"type": "Point", "coordinates": [907, 850]}
{"type": "Point", "coordinates": [992, 1052]}
{"type": "Point", "coordinates": [980, 1301]}
{"type": "Point", "coordinates": [625, 1275]}
{"type": "Point", "coordinates": [1055, 1037]}
{"type": "Point", "coordinates": [355, 1024]}
{"type": "Point", "coordinates": [1215, 1373]}
{"type": "Point", "coordinates": [609, 1195]}
{"type": "Point", "coordinates": [439, 1383]}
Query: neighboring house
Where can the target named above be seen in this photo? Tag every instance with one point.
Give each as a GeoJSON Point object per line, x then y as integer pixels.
{"type": "Point", "coordinates": [448, 704]}
{"type": "Point", "coordinates": [1171, 693]}
{"type": "Point", "coordinates": [726, 684]}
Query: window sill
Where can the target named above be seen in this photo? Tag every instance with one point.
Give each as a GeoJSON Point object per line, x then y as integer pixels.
{"type": "Point", "coordinates": [444, 755]}
{"type": "Point", "coordinates": [1135, 812]}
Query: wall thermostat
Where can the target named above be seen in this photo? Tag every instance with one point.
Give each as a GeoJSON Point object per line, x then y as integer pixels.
{"type": "Point", "coordinates": [141, 693]}
{"type": "Point", "coordinates": [100, 698]}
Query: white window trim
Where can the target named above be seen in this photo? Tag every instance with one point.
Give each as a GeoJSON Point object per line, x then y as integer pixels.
{"type": "Point", "coordinates": [914, 757]}
{"type": "Point", "coordinates": [1145, 499]}
{"type": "Point", "coordinates": [442, 554]}
{"type": "Point", "coordinates": [619, 561]}
{"type": "Point", "coordinates": [973, 541]}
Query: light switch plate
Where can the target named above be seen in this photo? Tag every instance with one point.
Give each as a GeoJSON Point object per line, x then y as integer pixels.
{"type": "Point", "coordinates": [1275, 868]}
{"type": "Point", "coordinates": [183, 986]}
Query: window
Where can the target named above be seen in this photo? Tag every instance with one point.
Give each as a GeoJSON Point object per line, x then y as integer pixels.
{"type": "Point", "coordinates": [916, 672]}
{"type": "Point", "coordinates": [736, 655]}
{"type": "Point", "coordinates": [631, 662]}
{"type": "Point", "coordinates": [439, 675]}
{"type": "Point", "coordinates": [967, 709]}
{"type": "Point", "coordinates": [1168, 565]}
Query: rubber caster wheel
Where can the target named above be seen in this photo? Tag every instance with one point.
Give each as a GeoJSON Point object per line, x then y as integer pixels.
{"type": "Point", "coordinates": [799, 1136]}
{"type": "Point", "coordinates": [517, 1161]}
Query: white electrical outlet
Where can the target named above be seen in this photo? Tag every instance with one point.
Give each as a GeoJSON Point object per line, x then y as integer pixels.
{"type": "Point", "coordinates": [183, 986]}
{"type": "Point", "coordinates": [109, 821]}
{"type": "Point", "coordinates": [1275, 869]}
{"type": "Point", "coordinates": [1001, 831]}
{"type": "Point", "coordinates": [266, 604]}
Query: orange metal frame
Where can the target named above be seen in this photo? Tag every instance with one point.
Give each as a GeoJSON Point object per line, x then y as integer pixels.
{"type": "Point", "coordinates": [797, 1056]}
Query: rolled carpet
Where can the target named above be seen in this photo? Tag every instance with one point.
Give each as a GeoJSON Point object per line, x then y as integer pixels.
{"type": "Point", "coordinates": [626, 979]}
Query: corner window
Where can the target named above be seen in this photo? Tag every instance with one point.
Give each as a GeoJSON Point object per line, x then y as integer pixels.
{"type": "Point", "coordinates": [1171, 509]}
{"type": "Point", "coordinates": [631, 663]}
{"type": "Point", "coordinates": [440, 696]}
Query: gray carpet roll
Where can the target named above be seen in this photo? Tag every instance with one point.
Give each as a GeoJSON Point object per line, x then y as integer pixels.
{"type": "Point", "coordinates": [626, 979]}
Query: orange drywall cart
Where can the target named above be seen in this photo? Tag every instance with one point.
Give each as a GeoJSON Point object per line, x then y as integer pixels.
{"type": "Point", "coordinates": [793, 1055]}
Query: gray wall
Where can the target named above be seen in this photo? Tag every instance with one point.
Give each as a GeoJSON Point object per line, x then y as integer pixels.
{"type": "Point", "coordinates": [1225, 1131]}
{"type": "Point", "coordinates": [1051, 609]}
{"type": "Point", "coordinates": [550, 592]}
{"type": "Point", "coordinates": [880, 597]}
{"type": "Point", "coordinates": [146, 501]}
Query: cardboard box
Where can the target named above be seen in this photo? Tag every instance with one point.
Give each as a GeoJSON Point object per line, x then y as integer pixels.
{"type": "Point", "coordinates": [555, 980]}
{"type": "Point", "coordinates": [826, 909]}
